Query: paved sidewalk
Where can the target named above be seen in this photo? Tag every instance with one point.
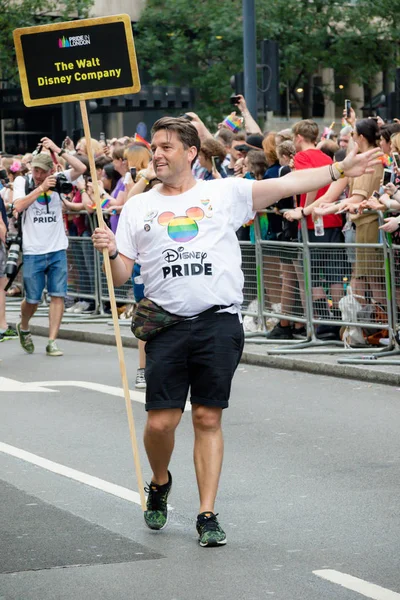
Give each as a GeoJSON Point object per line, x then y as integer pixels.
{"type": "Point", "coordinates": [320, 360]}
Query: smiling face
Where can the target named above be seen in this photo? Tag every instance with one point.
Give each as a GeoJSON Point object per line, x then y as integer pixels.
{"type": "Point", "coordinates": [171, 159]}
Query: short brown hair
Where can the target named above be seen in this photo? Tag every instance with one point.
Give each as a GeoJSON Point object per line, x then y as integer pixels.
{"type": "Point", "coordinates": [329, 147]}
{"type": "Point", "coordinates": [286, 148]}
{"type": "Point", "coordinates": [308, 129]}
{"type": "Point", "coordinates": [118, 153]}
{"type": "Point", "coordinates": [240, 136]}
{"type": "Point", "coordinates": [101, 161]}
{"type": "Point", "coordinates": [186, 132]}
{"type": "Point", "coordinates": [257, 163]}
{"type": "Point", "coordinates": [211, 147]}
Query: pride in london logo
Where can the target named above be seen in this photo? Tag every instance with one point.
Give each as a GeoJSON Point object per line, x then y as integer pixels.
{"type": "Point", "coordinates": [76, 40]}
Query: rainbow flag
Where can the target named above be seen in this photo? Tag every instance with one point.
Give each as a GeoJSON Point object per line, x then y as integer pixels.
{"type": "Point", "coordinates": [138, 139]}
{"type": "Point", "coordinates": [386, 160]}
{"type": "Point", "coordinates": [104, 203]}
{"type": "Point", "coordinates": [233, 122]}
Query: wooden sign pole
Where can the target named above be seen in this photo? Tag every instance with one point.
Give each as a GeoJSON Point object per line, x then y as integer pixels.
{"type": "Point", "coordinates": [114, 312]}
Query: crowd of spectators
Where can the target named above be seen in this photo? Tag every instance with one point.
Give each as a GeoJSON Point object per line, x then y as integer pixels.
{"type": "Point", "coordinates": [239, 148]}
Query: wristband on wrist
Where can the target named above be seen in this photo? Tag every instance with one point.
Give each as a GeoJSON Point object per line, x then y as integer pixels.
{"type": "Point", "coordinates": [336, 167]}
{"type": "Point", "coordinates": [339, 169]}
{"type": "Point", "coordinates": [62, 151]}
{"type": "Point", "coordinates": [114, 256]}
{"type": "Point", "coordinates": [332, 174]}
{"type": "Point", "coordinates": [144, 178]}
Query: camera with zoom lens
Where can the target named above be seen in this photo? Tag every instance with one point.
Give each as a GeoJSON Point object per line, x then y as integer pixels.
{"type": "Point", "coordinates": [14, 245]}
{"type": "Point", "coordinates": [63, 186]}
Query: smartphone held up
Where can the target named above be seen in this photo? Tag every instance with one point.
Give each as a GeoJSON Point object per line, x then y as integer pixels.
{"type": "Point", "coordinates": [216, 163]}
{"type": "Point", "coordinates": [396, 159]}
{"type": "Point", "coordinates": [387, 177]}
{"type": "Point", "coordinates": [347, 107]}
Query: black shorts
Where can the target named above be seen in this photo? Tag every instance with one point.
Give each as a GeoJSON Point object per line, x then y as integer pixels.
{"type": "Point", "coordinates": [201, 354]}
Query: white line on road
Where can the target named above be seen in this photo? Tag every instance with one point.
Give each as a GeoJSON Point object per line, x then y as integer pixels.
{"type": "Point", "coordinates": [99, 387]}
{"type": "Point", "coordinates": [369, 590]}
{"type": "Point", "coordinates": [12, 385]}
{"type": "Point", "coordinates": [96, 387]}
{"type": "Point", "coordinates": [95, 482]}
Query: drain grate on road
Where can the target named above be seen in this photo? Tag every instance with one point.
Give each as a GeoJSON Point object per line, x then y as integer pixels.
{"type": "Point", "coordinates": [35, 535]}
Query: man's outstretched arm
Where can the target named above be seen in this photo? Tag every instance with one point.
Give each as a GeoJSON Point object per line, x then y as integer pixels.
{"type": "Point", "coordinates": [270, 191]}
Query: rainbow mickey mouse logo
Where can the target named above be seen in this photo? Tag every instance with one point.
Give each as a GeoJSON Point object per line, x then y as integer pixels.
{"type": "Point", "coordinates": [184, 228]}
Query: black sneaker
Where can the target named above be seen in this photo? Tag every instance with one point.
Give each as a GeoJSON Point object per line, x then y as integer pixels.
{"type": "Point", "coordinates": [210, 531]}
{"type": "Point", "coordinates": [300, 333]}
{"type": "Point", "coordinates": [156, 515]}
{"type": "Point", "coordinates": [280, 333]}
{"type": "Point", "coordinates": [327, 332]}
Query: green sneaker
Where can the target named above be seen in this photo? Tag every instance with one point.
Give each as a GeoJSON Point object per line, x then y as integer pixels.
{"type": "Point", "coordinates": [8, 334]}
{"type": "Point", "coordinates": [209, 530]}
{"type": "Point", "coordinates": [156, 515]}
{"type": "Point", "coordinates": [52, 349]}
{"type": "Point", "coordinates": [25, 339]}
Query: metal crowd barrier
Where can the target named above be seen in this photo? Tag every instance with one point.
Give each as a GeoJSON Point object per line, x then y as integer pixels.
{"type": "Point", "coordinates": [304, 275]}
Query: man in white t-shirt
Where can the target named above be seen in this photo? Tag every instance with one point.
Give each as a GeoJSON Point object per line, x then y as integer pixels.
{"type": "Point", "coordinates": [44, 241]}
{"type": "Point", "coordinates": [183, 234]}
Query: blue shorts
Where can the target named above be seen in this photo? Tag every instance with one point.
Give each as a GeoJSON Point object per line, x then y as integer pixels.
{"type": "Point", "coordinates": [137, 283]}
{"type": "Point", "coordinates": [45, 270]}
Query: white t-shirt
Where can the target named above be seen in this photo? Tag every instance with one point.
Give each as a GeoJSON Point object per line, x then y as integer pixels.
{"type": "Point", "coordinates": [187, 246]}
{"type": "Point", "coordinates": [42, 222]}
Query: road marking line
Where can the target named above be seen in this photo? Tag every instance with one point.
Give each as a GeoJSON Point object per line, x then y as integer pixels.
{"type": "Point", "coordinates": [12, 385]}
{"type": "Point", "coordinates": [369, 590]}
{"type": "Point", "coordinates": [95, 482]}
{"type": "Point", "coordinates": [100, 387]}
{"type": "Point", "coordinates": [96, 387]}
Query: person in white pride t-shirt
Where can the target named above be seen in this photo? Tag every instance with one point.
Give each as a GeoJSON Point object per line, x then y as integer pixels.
{"type": "Point", "coordinates": [44, 242]}
{"type": "Point", "coordinates": [183, 234]}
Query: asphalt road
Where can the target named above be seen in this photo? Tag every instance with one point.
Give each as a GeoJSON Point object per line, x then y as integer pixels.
{"type": "Point", "coordinates": [310, 483]}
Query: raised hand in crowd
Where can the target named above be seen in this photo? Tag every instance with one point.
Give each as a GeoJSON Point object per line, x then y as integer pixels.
{"type": "Point", "coordinates": [239, 168]}
{"type": "Point", "coordinates": [69, 144]}
{"type": "Point", "coordinates": [351, 120]}
{"type": "Point", "coordinates": [50, 145]}
{"type": "Point", "coordinates": [251, 125]}
{"type": "Point", "coordinates": [391, 225]}
{"type": "Point", "coordinates": [80, 184]}
{"type": "Point", "coordinates": [202, 130]}
{"type": "Point", "coordinates": [390, 189]}
{"type": "Point", "coordinates": [356, 164]}
{"type": "Point", "coordinates": [150, 172]}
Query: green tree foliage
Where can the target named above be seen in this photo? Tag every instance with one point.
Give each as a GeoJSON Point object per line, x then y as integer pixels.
{"type": "Point", "coordinates": [192, 43]}
{"type": "Point", "coordinates": [26, 13]}
{"type": "Point", "coordinates": [200, 44]}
